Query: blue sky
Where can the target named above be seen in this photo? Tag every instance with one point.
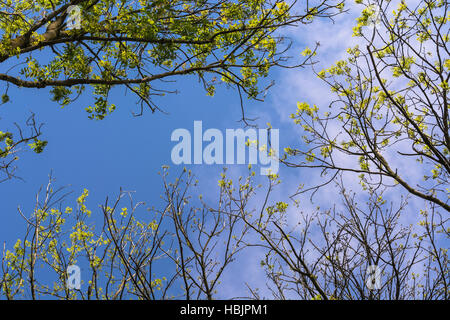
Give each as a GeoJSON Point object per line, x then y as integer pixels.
{"type": "Point", "coordinates": [127, 151]}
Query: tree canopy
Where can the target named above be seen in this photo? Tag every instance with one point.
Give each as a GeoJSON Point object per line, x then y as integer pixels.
{"type": "Point", "coordinates": [391, 101]}
{"type": "Point", "coordinates": [137, 43]}
{"type": "Point", "coordinates": [386, 127]}
{"type": "Point", "coordinates": [140, 46]}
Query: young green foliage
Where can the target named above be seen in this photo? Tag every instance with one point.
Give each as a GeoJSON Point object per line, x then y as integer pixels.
{"type": "Point", "coordinates": [391, 112]}
{"type": "Point", "coordinates": [137, 44]}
